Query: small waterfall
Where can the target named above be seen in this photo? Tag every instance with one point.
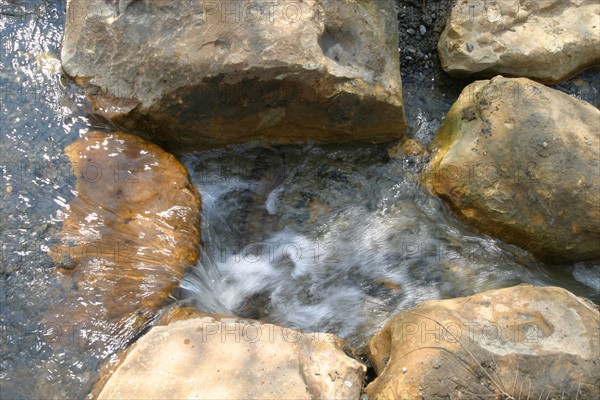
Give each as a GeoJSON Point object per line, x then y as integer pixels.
{"type": "Point", "coordinates": [334, 239]}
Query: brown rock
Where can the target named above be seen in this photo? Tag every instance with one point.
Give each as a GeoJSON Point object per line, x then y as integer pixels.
{"type": "Point", "coordinates": [126, 238]}
{"type": "Point", "coordinates": [521, 161]}
{"type": "Point", "coordinates": [213, 357]}
{"type": "Point", "coordinates": [526, 342]}
{"type": "Point", "coordinates": [203, 74]}
{"type": "Point", "coordinates": [549, 40]}
{"type": "Point", "coordinates": [407, 147]}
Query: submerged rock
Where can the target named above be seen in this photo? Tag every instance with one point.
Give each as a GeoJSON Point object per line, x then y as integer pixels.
{"type": "Point", "coordinates": [126, 238]}
{"type": "Point", "coordinates": [521, 161]}
{"type": "Point", "coordinates": [219, 357]}
{"type": "Point", "coordinates": [203, 74]}
{"type": "Point", "coordinates": [407, 148]}
{"type": "Point", "coordinates": [548, 41]}
{"type": "Point", "coordinates": [526, 342]}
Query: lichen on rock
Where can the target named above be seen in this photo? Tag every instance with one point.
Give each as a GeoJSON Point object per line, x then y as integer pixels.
{"type": "Point", "coordinates": [521, 161]}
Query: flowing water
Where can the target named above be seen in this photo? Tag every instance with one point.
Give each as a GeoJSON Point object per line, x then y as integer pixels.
{"type": "Point", "coordinates": [337, 239]}
{"type": "Point", "coordinates": [330, 238]}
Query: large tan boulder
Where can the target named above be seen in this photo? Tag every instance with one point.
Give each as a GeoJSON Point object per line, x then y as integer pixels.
{"type": "Point", "coordinates": [523, 342]}
{"type": "Point", "coordinates": [126, 239]}
{"type": "Point", "coordinates": [201, 74]}
{"type": "Point", "coordinates": [218, 357]}
{"type": "Point", "coordinates": [545, 40]}
{"type": "Point", "coordinates": [521, 161]}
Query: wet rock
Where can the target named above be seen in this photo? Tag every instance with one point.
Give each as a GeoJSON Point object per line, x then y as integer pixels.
{"type": "Point", "coordinates": [126, 238]}
{"type": "Point", "coordinates": [407, 147]}
{"type": "Point", "coordinates": [548, 41]}
{"type": "Point", "coordinates": [205, 74]}
{"type": "Point", "coordinates": [219, 357]}
{"type": "Point", "coordinates": [521, 161]}
{"type": "Point", "coordinates": [524, 341]}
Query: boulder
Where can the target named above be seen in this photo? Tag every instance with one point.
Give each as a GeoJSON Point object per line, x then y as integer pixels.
{"type": "Point", "coordinates": [526, 342]}
{"type": "Point", "coordinates": [201, 74]}
{"type": "Point", "coordinates": [126, 239]}
{"type": "Point", "coordinates": [549, 40]}
{"type": "Point", "coordinates": [521, 161]}
{"type": "Point", "coordinates": [220, 357]}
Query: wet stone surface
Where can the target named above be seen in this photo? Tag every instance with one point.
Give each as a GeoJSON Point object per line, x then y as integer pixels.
{"type": "Point", "coordinates": [40, 114]}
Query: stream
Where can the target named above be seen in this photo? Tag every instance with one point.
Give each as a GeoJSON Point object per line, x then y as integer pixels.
{"type": "Point", "coordinates": [314, 237]}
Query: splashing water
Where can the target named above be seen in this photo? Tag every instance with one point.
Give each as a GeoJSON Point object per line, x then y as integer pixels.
{"type": "Point", "coordinates": [336, 239]}
{"type": "Point", "coordinates": [332, 238]}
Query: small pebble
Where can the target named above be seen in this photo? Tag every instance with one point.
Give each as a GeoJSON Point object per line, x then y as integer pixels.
{"type": "Point", "coordinates": [411, 50]}
{"type": "Point", "coordinates": [404, 369]}
{"type": "Point", "coordinates": [469, 47]}
{"type": "Point", "coordinates": [66, 262]}
{"type": "Point", "coordinates": [410, 31]}
{"type": "Point", "coordinates": [9, 189]}
{"type": "Point", "coordinates": [422, 30]}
